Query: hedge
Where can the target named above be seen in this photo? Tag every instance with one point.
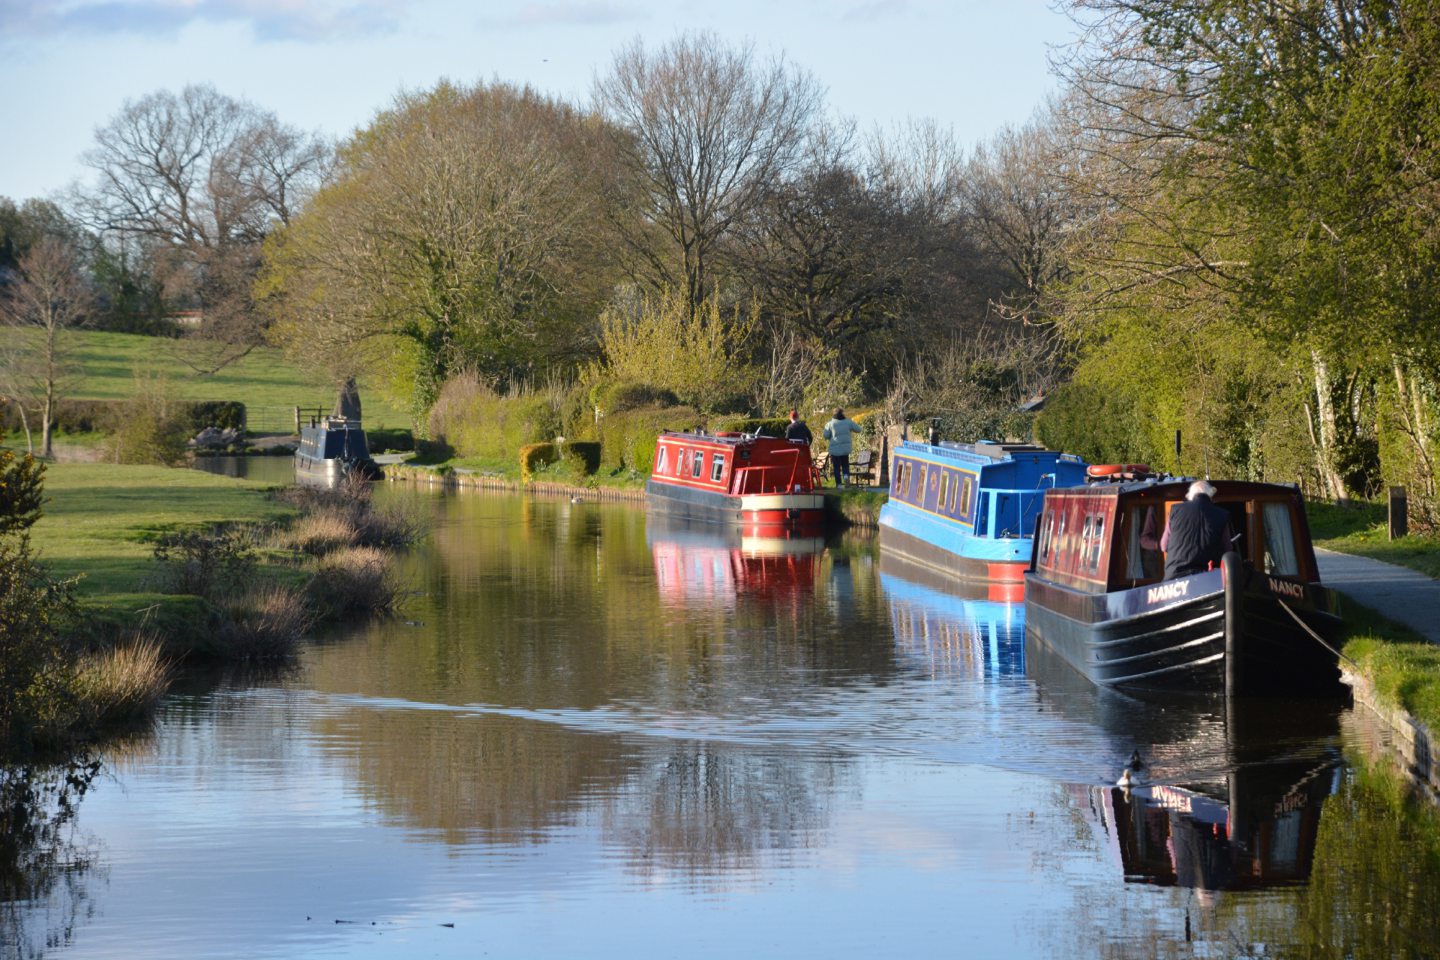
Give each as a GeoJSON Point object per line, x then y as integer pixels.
{"type": "Point", "coordinates": [93, 416]}
{"type": "Point", "coordinates": [627, 439]}
{"type": "Point", "coordinates": [584, 458]}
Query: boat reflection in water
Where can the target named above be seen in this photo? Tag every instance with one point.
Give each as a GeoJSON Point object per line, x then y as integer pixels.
{"type": "Point", "coordinates": [699, 563]}
{"type": "Point", "coordinates": [967, 628]}
{"type": "Point", "coordinates": [1230, 795]}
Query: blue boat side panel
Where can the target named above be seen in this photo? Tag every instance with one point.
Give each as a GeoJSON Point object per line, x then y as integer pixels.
{"type": "Point", "coordinates": [990, 505]}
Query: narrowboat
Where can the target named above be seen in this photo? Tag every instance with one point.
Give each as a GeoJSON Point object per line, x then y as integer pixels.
{"type": "Point", "coordinates": [766, 485]}
{"type": "Point", "coordinates": [333, 448]}
{"type": "Point", "coordinates": [969, 510]}
{"type": "Point", "coordinates": [1261, 622]}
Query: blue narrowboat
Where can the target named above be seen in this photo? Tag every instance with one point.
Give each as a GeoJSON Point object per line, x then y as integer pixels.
{"type": "Point", "coordinates": [970, 509]}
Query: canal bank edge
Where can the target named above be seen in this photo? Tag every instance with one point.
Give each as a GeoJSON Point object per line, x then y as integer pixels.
{"type": "Point", "coordinates": [1409, 742]}
{"type": "Point", "coordinates": [856, 507]}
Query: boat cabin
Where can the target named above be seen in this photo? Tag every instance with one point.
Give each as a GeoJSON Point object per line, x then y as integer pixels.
{"type": "Point", "coordinates": [733, 464]}
{"type": "Point", "coordinates": [333, 439]}
{"type": "Point", "coordinates": [1106, 536]}
{"type": "Point", "coordinates": [993, 489]}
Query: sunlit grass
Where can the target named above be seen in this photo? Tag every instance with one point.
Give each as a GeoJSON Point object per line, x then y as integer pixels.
{"type": "Point", "coordinates": [1362, 529]}
{"type": "Point", "coordinates": [264, 379]}
{"type": "Point", "coordinates": [1403, 668]}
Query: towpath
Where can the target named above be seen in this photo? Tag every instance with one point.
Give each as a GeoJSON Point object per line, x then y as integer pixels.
{"type": "Point", "coordinates": [1403, 595]}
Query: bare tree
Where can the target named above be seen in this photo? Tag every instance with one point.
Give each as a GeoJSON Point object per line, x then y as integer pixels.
{"type": "Point", "coordinates": [50, 297]}
{"type": "Point", "coordinates": [203, 177]}
{"type": "Point", "coordinates": [700, 129]}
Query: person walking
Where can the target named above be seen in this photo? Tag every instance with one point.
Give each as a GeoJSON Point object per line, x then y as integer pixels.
{"type": "Point", "coordinates": [796, 431]}
{"type": "Point", "coordinates": [1197, 533]}
{"type": "Point", "coordinates": [839, 433]}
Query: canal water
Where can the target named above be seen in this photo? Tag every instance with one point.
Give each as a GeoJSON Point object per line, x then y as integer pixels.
{"type": "Point", "coordinates": [586, 735]}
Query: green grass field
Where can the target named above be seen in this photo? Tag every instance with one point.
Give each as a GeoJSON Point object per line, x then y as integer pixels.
{"type": "Point", "coordinates": [100, 518]}
{"type": "Point", "coordinates": [265, 381]}
{"type": "Point", "coordinates": [1361, 529]}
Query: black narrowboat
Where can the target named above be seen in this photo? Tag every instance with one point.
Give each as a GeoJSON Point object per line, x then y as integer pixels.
{"type": "Point", "coordinates": [1259, 622]}
{"type": "Point", "coordinates": [333, 448]}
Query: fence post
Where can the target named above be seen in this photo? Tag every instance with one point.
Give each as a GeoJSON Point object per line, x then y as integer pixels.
{"type": "Point", "coordinates": [297, 421]}
{"type": "Point", "coordinates": [1399, 519]}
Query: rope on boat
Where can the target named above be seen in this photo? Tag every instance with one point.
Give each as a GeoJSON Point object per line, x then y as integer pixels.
{"type": "Point", "coordinates": [1318, 639]}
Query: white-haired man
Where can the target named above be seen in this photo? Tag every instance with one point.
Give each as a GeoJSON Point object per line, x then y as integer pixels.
{"type": "Point", "coordinates": [1197, 533]}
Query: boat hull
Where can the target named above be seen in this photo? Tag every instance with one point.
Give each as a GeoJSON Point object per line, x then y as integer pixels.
{"type": "Point", "coordinates": [761, 512]}
{"type": "Point", "coordinates": [330, 472]}
{"type": "Point", "coordinates": [1172, 635]}
{"type": "Point", "coordinates": [946, 546]}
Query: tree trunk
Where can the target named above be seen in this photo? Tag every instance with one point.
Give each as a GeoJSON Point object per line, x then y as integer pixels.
{"type": "Point", "coordinates": [1330, 480]}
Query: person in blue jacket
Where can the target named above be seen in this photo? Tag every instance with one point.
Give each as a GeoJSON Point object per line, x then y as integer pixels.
{"type": "Point", "coordinates": [838, 433]}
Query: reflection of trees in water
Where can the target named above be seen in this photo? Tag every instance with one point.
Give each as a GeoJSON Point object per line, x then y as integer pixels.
{"type": "Point", "coordinates": [706, 808]}
{"type": "Point", "coordinates": [44, 866]}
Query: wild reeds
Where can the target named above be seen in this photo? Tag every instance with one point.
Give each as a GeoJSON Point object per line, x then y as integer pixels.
{"type": "Point", "coordinates": [264, 622]}
{"type": "Point", "coordinates": [121, 683]}
{"type": "Point", "coordinates": [353, 580]}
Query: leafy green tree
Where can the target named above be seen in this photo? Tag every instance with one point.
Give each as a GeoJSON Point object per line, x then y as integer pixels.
{"type": "Point", "coordinates": [458, 233]}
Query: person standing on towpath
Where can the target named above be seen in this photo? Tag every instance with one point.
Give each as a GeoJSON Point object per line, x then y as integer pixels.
{"type": "Point", "coordinates": [839, 433]}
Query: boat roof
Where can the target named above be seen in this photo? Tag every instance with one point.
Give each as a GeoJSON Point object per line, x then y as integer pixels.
{"type": "Point", "coordinates": [729, 439]}
{"type": "Point", "coordinates": [983, 452]}
{"type": "Point", "coordinates": [1166, 484]}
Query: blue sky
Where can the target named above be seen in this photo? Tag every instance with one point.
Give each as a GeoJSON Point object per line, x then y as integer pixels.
{"type": "Point", "coordinates": [67, 66]}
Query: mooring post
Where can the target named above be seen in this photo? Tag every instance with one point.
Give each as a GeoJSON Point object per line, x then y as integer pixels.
{"type": "Point", "coordinates": [1233, 574]}
{"type": "Point", "coordinates": [885, 459]}
{"type": "Point", "coordinates": [1399, 513]}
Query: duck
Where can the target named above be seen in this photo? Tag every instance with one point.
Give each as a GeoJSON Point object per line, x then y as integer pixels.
{"type": "Point", "coordinates": [577, 499]}
{"type": "Point", "coordinates": [1133, 773]}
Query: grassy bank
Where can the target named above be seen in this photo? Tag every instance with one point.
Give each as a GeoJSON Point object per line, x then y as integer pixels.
{"type": "Point", "coordinates": [102, 520]}
{"type": "Point", "coordinates": [1362, 529]}
{"type": "Point", "coordinates": [263, 380]}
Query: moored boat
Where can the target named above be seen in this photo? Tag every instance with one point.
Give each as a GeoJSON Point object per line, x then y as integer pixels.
{"type": "Point", "coordinates": [333, 448]}
{"type": "Point", "coordinates": [1259, 622]}
{"type": "Point", "coordinates": [969, 510]}
{"type": "Point", "coordinates": [766, 485]}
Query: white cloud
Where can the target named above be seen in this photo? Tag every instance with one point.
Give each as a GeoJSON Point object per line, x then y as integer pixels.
{"type": "Point", "coordinates": [584, 13]}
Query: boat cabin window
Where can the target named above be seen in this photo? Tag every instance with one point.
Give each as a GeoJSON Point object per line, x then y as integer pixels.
{"type": "Point", "coordinates": [965, 491]}
{"type": "Point", "coordinates": [1097, 545]}
{"type": "Point", "coordinates": [662, 459]}
{"type": "Point", "coordinates": [698, 466]}
{"type": "Point", "coordinates": [944, 490]}
{"type": "Point", "coordinates": [1280, 554]}
{"type": "Point", "coordinates": [954, 494]}
{"type": "Point", "coordinates": [1047, 531]}
{"type": "Point", "coordinates": [920, 487]}
{"type": "Point", "coordinates": [1142, 560]}
{"type": "Point", "coordinates": [717, 466]}
{"type": "Point", "coordinates": [902, 470]}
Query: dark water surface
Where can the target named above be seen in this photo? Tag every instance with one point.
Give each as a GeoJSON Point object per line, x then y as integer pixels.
{"type": "Point", "coordinates": [586, 738]}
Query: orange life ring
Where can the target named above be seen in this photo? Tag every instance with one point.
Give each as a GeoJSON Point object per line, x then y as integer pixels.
{"type": "Point", "coordinates": [1104, 469]}
{"type": "Point", "coordinates": [1137, 468]}
{"type": "Point", "coordinates": [729, 433]}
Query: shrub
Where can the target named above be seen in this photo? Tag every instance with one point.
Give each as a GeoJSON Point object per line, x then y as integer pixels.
{"type": "Point", "coordinates": [345, 517]}
{"type": "Point", "coordinates": [34, 674]}
{"type": "Point", "coordinates": [122, 683]}
{"type": "Point", "coordinates": [150, 427]}
{"type": "Point", "coordinates": [617, 396]}
{"type": "Point", "coordinates": [768, 426]}
{"type": "Point", "coordinates": [206, 563]}
{"type": "Point", "coordinates": [264, 623]}
{"type": "Point", "coordinates": [222, 414]}
{"type": "Point", "coordinates": [396, 440]}
{"type": "Point", "coordinates": [628, 439]}
{"type": "Point", "coordinates": [353, 580]}
{"type": "Point", "coordinates": [479, 422]}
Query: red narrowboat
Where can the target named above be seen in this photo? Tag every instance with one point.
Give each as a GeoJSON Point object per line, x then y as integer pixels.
{"type": "Point", "coordinates": [767, 485]}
